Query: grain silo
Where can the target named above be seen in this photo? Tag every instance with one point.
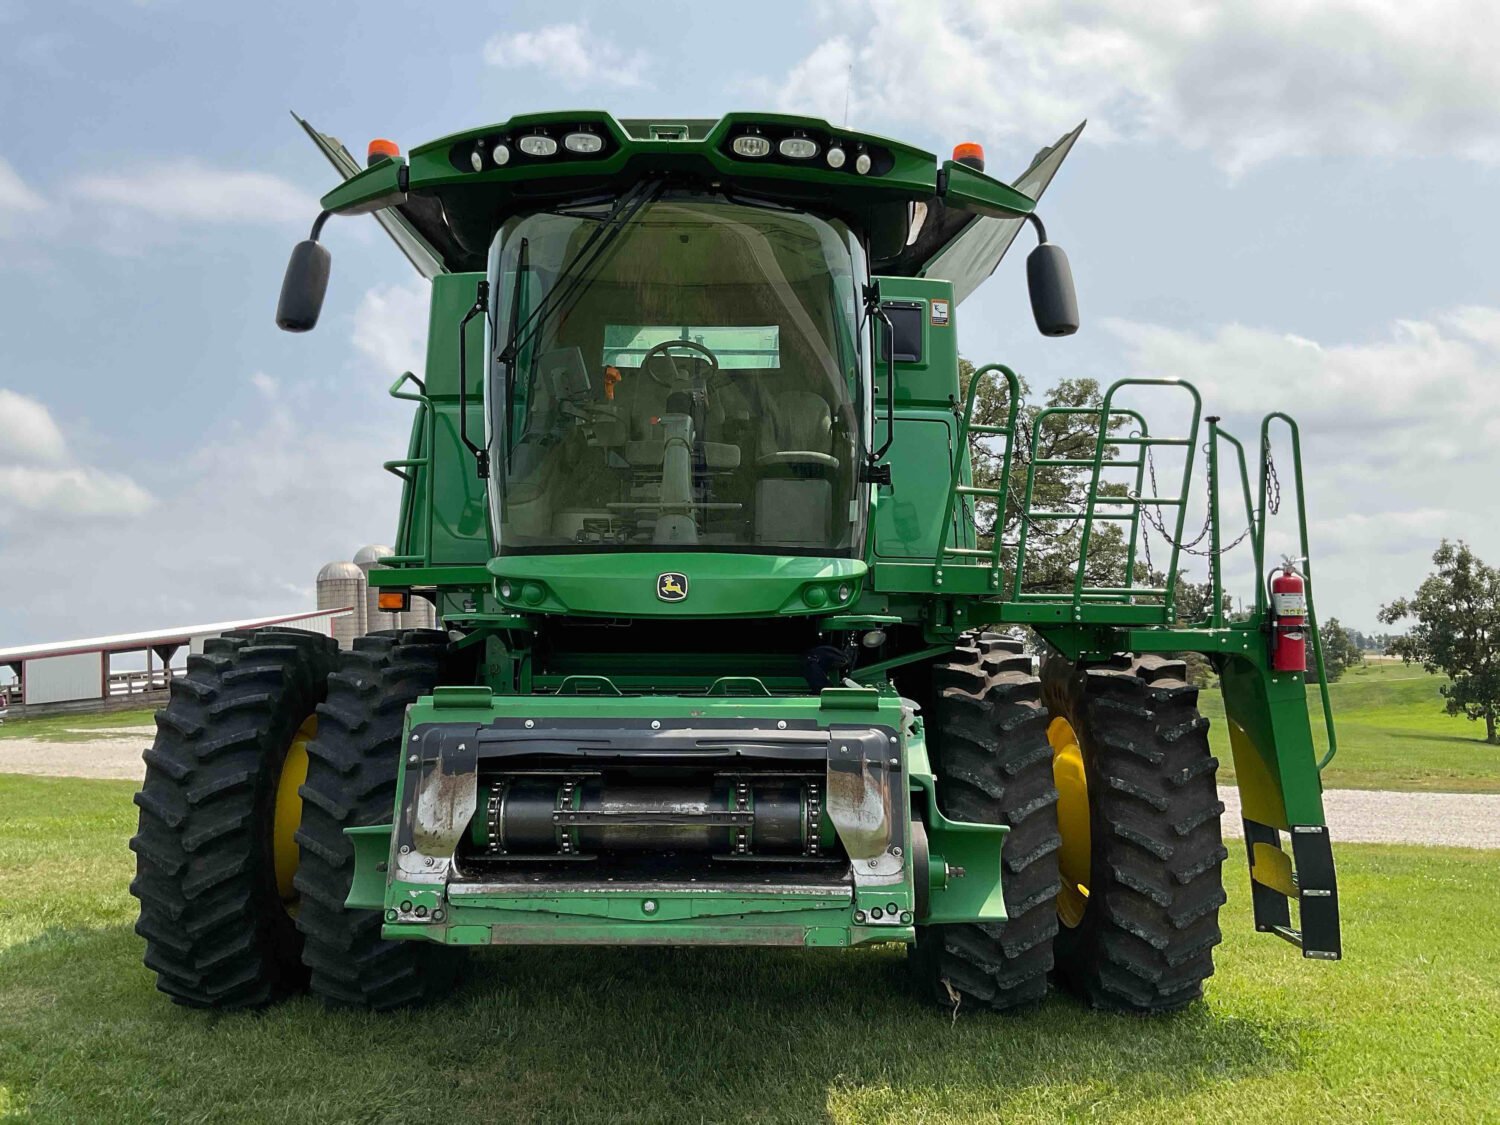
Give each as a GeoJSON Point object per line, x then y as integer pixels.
{"type": "Point", "coordinates": [368, 559]}
{"type": "Point", "coordinates": [342, 584]}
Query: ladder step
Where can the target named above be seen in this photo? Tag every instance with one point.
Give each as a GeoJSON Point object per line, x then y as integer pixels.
{"type": "Point", "coordinates": [1151, 500]}
{"type": "Point", "coordinates": [1149, 441]}
{"type": "Point", "coordinates": [974, 490]}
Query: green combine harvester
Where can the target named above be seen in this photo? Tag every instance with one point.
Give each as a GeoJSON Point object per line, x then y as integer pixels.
{"type": "Point", "coordinates": [725, 658]}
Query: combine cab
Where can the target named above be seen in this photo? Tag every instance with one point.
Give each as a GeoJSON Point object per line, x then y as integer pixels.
{"type": "Point", "coordinates": [725, 658]}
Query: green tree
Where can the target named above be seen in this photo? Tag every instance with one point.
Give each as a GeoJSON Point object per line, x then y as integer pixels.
{"type": "Point", "coordinates": [1340, 651]}
{"type": "Point", "coordinates": [1457, 632]}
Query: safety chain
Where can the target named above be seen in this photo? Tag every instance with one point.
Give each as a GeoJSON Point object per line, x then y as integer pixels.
{"type": "Point", "coordinates": [1273, 482]}
{"type": "Point", "coordinates": [1153, 517]}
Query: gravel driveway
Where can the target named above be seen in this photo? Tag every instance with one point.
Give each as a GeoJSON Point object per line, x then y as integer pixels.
{"type": "Point", "coordinates": [1357, 816]}
{"type": "Point", "coordinates": [116, 754]}
{"type": "Point", "coordinates": [1373, 816]}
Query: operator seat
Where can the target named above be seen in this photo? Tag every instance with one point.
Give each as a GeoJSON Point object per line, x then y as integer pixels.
{"type": "Point", "coordinates": [643, 401]}
{"type": "Point", "coordinates": [796, 469]}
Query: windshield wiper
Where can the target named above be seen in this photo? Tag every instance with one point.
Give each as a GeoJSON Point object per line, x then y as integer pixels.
{"type": "Point", "coordinates": [576, 269]}
{"type": "Point", "coordinates": [523, 261]}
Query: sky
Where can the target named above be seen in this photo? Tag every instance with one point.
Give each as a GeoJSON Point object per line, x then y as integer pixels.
{"type": "Point", "coordinates": [1289, 203]}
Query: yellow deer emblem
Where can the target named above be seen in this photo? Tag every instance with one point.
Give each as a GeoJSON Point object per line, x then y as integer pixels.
{"type": "Point", "coordinates": [671, 586]}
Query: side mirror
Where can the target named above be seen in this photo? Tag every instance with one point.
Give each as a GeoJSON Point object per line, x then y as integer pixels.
{"type": "Point", "coordinates": [1050, 280]}
{"type": "Point", "coordinates": [303, 287]}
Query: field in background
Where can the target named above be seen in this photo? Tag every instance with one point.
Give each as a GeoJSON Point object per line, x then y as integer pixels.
{"type": "Point", "coordinates": [1407, 1028]}
{"type": "Point", "coordinates": [1393, 734]}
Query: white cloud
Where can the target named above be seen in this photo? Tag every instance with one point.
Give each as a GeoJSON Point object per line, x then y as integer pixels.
{"type": "Point", "coordinates": [1246, 80]}
{"type": "Point", "coordinates": [244, 523]}
{"type": "Point", "coordinates": [70, 492]}
{"type": "Point", "coordinates": [187, 190]}
{"type": "Point", "coordinates": [569, 53]}
{"type": "Point", "coordinates": [15, 196]}
{"type": "Point", "coordinates": [28, 434]}
{"type": "Point", "coordinates": [390, 327]}
{"type": "Point", "coordinates": [1401, 439]}
{"type": "Point", "coordinates": [39, 479]}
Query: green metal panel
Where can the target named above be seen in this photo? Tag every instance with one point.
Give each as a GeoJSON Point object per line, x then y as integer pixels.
{"type": "Point", "coordinates": [933, 381]}
{"type": "Point", "coordinates": [815, 916]}
{"type": "Point", "coordinates": [968, 190]}
{"type": "Point", "coordinates": [626, 584]}
{"type": "Point", "coordinates": [909, 512]}
{"type": "Point", "coordinates": [452, 297]}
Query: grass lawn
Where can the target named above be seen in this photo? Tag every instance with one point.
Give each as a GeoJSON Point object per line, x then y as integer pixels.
{"type": "Point", "coordinates": [1393, 734]}
{"type": "Point", "coordinates": [1406, 1029]}
{"type": "Point", "coordinates": [77, 728]}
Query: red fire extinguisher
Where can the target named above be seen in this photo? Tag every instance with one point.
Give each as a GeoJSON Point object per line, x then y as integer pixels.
{"type": "Point", "coordinates": [1288, 619]}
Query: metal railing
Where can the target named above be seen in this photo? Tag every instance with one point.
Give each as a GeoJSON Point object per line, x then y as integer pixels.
{"type": "Point", "coordinates": [957, 488]}
{"type": "Point", "coordinates": [411, 471]}
{"type": "Point", "coordinates": [1099, 505]}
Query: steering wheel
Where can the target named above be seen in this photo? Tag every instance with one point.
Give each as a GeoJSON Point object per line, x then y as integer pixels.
{"type": "Point", "coordinates": [665, 348]}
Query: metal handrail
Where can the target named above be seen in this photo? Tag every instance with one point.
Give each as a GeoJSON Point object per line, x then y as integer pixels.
{"type": "Point", "coordinates": [408, 469]}
{"type": "Point", "coordinates": [1260, 561]}
{"type": "Point", "coordinates": [1146, 442]}
{"type": "Point", "coordinates": [1033, 462]}
{"type": "Point", "coordinates": [1141, 438]}
{"type": "Point", "coordinates": [956, 487]}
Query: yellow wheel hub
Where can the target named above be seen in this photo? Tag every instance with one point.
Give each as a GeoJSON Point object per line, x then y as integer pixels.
{"type": "Point", "coordinates": [1072, 821]}
{"type": "Point", "coordinates": [288, 812]}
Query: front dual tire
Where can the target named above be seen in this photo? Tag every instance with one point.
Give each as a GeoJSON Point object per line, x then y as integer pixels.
{"type": "Point", "coordinates": [1112, 868]}
{"type": "Point", "coordinates": [270, 745]}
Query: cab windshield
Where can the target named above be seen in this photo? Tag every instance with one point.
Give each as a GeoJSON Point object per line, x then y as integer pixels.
{"type": "Point", "coordinates": [689, 381]}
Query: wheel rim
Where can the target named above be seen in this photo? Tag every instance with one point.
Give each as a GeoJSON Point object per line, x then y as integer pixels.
{"type": "Point", "coordinates": [1072, 821]}
{"type": "Point", "coordinates": [288, 812]}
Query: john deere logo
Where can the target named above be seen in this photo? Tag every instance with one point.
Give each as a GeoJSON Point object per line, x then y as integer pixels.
{"type": "Point", "coordinates": [671, 586]}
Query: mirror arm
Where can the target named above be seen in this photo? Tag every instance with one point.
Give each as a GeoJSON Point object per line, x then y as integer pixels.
{"type": "Point", "coordinates": [1036, 220]}
{"type": "Point", "coordinates": [481, 455]}
{"type": "Point", "coordinates": [317, 227]}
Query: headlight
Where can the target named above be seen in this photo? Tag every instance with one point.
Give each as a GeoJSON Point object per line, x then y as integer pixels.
{"type": "Point", "coordinates": [583, 142]}
{"type": "Point", "coordinates": [835, 157]}
{"type": "Point", "coordinates": [798, 148]}
{"type": "Point", "coordinates": [537, 145]}
{"type": "Point", "coordinates": [500, 155]}
{"type": "Point", "coordinates": [862, 163]}
{"type": "Point", "coordinates": [749, 145]}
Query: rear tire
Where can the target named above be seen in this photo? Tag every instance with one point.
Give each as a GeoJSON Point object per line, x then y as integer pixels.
{"type": "Point", "coordinates": [1145, 940]}
{"type": "Point", "coordinates": [218, 934]}
{"type": "Point", "coordinates": [987, 735]}
{"type": "Point", "coordinates": [351, 781]}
